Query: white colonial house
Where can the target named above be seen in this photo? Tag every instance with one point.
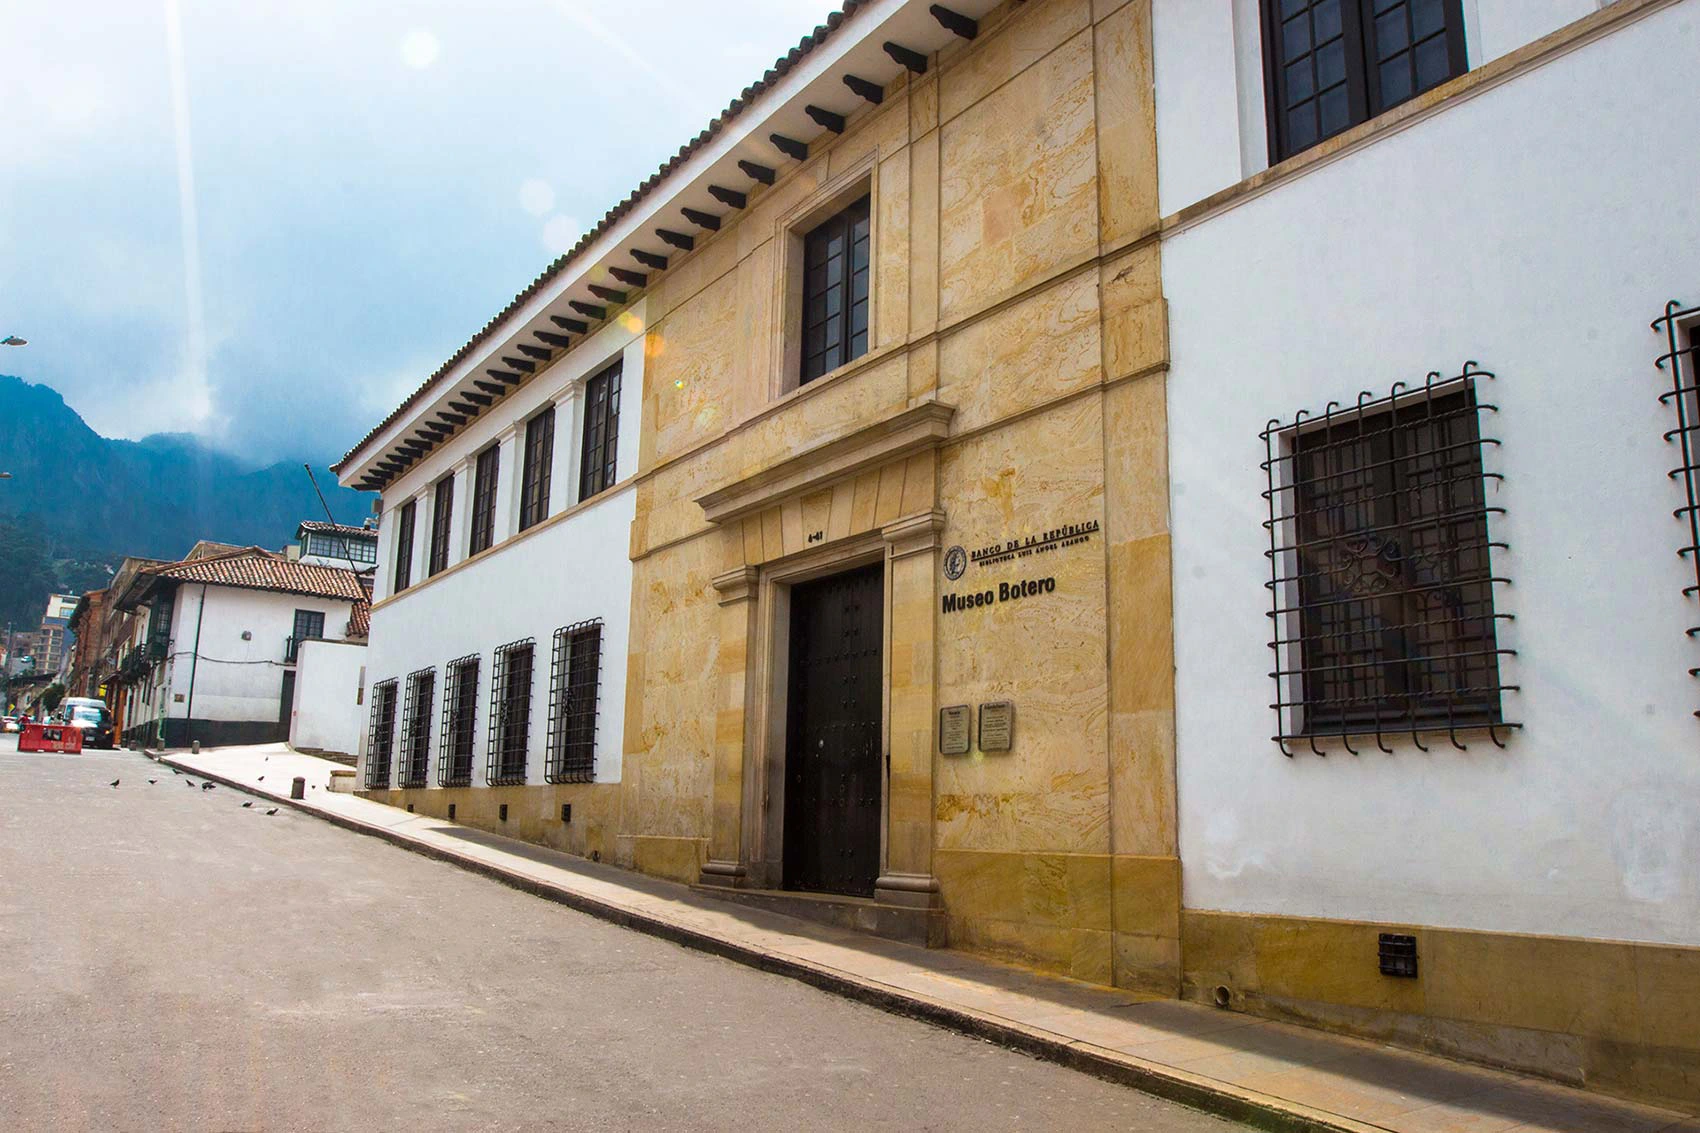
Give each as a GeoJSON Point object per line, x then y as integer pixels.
{"type": "Point", "coordinates": [1426, 262]}
{"type": "Point", "coordinates": [501, 610]}
{"type": "Point", "coordinates": [214, 650]}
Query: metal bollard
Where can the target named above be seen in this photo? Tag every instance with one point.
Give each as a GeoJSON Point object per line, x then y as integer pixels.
{"type": "Point", "coordinates": [298, 789]}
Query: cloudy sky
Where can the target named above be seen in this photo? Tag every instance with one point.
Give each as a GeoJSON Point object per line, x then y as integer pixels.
{"type": "Point", "coordinates": [266, 221]}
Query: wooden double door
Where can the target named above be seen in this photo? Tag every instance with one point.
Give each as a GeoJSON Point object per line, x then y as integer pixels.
{"type": "Point", "coordinates": [833, 765]}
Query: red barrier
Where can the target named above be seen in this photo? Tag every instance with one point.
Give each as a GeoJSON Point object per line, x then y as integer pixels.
{"type": "Point", "coordinates": [51, 737]}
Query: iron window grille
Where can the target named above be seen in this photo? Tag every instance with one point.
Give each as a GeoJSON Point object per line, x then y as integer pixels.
{"type": "Point", "coordinates": [537, 469]}
{"type": "Point", "coordinates": [484, 472]}
{"type": "Point", "coordinates": [601, 432]}
{"type": "Point", "coordinates": [442, 512]}
{"type": "Point", "coordinates": [1380, 573]}
{"type": "Point", "coordinates": [1330, 64]}
{"type": "Point", "coordinates": [415, 769]}
{"type": "Point", "coordinates": [836, 261]}
{"type": "Point", "coordinates": [510, 714]}
{"type": "Point", "coordinates": [575, 679]}
{"type": "Point", "coordinates": [404, 546]}
{"type": "Point", "coordinates": [380, 741]}
{"type": "Point", "coordinates": [460, 721]}
{"type": "Point", "coordinates": [1682, 359]}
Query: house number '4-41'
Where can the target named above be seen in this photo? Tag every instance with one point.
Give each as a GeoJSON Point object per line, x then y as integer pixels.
{"type": "Point", "coordinates": [816, 536]}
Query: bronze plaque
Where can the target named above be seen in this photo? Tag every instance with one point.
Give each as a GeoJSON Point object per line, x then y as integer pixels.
{"type": "Point", "coordinates": [997, 725]}
{"type": "Point", "coordinates": [953, 730]}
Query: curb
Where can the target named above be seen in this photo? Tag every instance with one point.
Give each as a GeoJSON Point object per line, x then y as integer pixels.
{"type": "Point", "coordinates": [1260, 1111]}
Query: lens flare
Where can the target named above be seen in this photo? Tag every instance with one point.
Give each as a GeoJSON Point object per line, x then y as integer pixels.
{"type": "Point", "coordinates": [420, 48]}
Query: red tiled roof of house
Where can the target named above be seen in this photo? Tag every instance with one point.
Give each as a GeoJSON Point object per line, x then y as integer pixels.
{"type": "Point", "coordinates": [255, 568]}
{"type": "Point", "coordinates": [360, 621]}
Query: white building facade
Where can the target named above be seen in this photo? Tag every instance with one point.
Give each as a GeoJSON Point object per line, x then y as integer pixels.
{"type": "Point", "coordinates": [1432, 674]}
{"type": "Point", "coordinates": [501, 613]}
{"type": "Point", "coordinates": [215, 646]}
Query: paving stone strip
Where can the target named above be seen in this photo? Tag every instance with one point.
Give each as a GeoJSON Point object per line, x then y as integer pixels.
{"type": "Point", "coordinates": [1265, 1074]}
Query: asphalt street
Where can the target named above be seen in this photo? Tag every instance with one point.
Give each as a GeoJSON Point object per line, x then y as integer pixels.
{"type": "Point", "coordinates": [171, 959]}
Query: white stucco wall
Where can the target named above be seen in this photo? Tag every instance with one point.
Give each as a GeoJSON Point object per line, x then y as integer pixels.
{"type": "Point", "coordinates": [329, 708]}
{"type": "Point", "coordinates": [531, 584]}
{"type": "Point", "coordinates": [1536, 228]}
{"type": "Point", "coordinates": [236, 679]}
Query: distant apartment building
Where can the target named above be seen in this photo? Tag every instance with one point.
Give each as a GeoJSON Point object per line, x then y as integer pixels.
{"type": "Point", "coordinates": [22, 650]}
{"type": "Point", "coordinates": [52, 638]}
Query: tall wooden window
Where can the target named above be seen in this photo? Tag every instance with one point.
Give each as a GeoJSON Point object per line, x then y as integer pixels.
{"type": "Point", "coordinates": [442, 512]}
{"type": "Point", "coordinates": [416, 728]}
{"type": "Point", "coordinates": [159, 623]}
{"type": "Point", "coordinates": [460, 719]}
{"type": "Point", "coordinates": [404, 546]}
{"type": "Point", "coordinates": [574, 683]}
{"type": "Point", "coordinates": [535, 475]}
{"type": "Point", "coordinates": [309, 625]}
{"type": "Point", "coordinates": [601, 432]}
{"type": "Point", "coordinates": [1330, 64]}
{"type": "Point", "coordinates": [380, 740]}
{"type": "Point", "coordinates": [510, 714]}
{"type": "Point", "coordinates": [836, 260]}
{"type": "Point", "coordinates": [484, 472]}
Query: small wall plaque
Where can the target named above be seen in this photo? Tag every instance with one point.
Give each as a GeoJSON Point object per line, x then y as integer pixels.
{"type": "Point", "coordinates": [997, 725]}
{"type": "Point", "coordinates": [953, 730]}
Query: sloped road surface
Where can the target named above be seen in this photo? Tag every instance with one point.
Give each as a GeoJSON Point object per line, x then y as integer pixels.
{"type": "Point", "coordinates": [171, 959]}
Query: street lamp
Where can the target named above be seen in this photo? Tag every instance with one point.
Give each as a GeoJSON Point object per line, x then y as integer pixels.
{"type": "Point", "coordinates": [14, 340]}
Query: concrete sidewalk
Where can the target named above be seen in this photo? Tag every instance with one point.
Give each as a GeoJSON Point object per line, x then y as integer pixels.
{"type": "Point", "coordinates": [1268, 1074]}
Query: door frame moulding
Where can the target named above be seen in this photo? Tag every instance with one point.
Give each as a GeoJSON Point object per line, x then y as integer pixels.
{"type": "Point", "coordinates": [768, 686]}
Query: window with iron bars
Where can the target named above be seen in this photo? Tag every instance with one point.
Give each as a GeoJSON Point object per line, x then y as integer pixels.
{"type": "Point", "coordinates": [415, 769]}
{"type": "Point", "coordinates": [404, 546]}
{"type": "Point", "coordinates": [601, 433]}
{"type": "Point", "coordinates": [575, 677]}
{"type": "Point", "coordinates": [380, 739]}
{"type": "Point", "coordinates": [1681, 328]}
{"type": "Point", "coordinates": [537, 469]}
{"type": "Point", "coordinates": [1381, 578]}
{"type": "Point", "coordinates": [510, 714]}
{"type": "Point", "coordinates": [484, 473]}
{"type": "Point", "coordinates": [460, 719]}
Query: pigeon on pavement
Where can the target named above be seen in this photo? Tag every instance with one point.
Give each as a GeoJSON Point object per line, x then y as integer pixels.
{"type": "Point", "coordinates": [114, 783]}
{"type": "Point", "coordinates": [208, 786]}
{"type": "Point", "coordinates": [188, 782]}
{"type": "Point", "coordinates": [273, 810]}
{"type": "Point", "coordinates": [261, 779]}
{"type": "Point", "coordinates": [151, 782]}
{"type": "Point", "coordinates": [246, 805]}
